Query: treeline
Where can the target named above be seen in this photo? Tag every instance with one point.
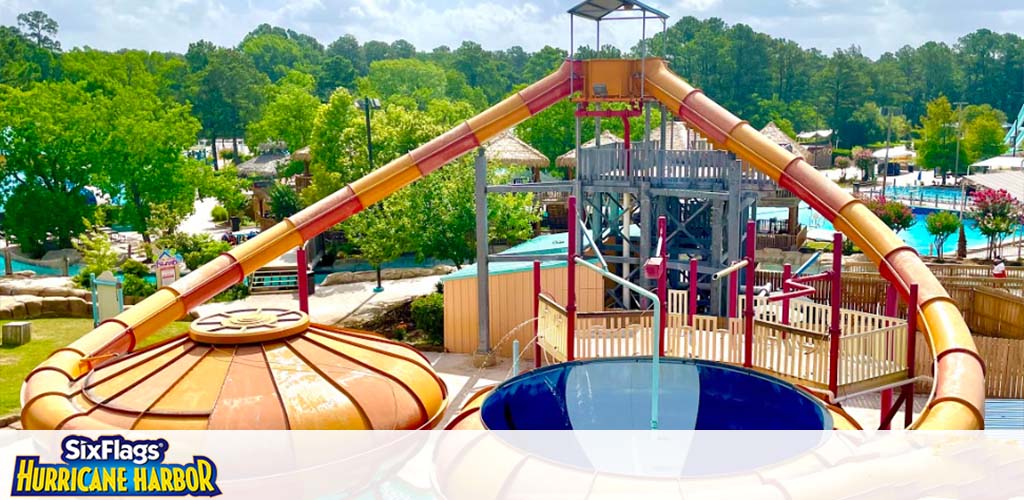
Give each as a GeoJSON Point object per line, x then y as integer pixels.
{"type": "Point", "coordinates": [119, 120]}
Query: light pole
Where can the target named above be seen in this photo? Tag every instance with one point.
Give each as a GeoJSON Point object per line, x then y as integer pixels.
{"type": "Point", "coordinates": [367, 104]}
{"type": "Point", "coordinates": [956, 161]}
{"type": "Point", "coordinates": [888, 146]}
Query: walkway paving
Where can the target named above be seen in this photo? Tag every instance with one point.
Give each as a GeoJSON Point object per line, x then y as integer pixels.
{"type": "Point", "coordinates": [338, 304]}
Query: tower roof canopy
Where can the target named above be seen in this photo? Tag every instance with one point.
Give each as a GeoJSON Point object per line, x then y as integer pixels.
{"type": "Point", "coordinates": [597, 10]}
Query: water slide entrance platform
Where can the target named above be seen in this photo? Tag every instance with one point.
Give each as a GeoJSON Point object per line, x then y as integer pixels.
{"type": "Point", "coordinates": [50, 391]}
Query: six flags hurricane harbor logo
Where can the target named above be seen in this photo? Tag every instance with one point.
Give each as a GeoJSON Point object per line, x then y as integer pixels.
{"type": "Point", "coordinates": [114, 466]}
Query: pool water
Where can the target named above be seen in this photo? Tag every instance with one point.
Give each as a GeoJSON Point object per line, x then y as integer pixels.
{"type": "Point", "coordinates": [927, 194]}
{"type": "Point", "coordinates": [917, 236]}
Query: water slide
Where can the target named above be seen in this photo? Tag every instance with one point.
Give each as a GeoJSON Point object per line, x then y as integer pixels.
{"type": "Point", "coordinates": [52, 391]}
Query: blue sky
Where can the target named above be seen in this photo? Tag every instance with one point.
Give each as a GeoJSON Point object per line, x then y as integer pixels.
{"type": "Point", "coordinates": [876, 25]}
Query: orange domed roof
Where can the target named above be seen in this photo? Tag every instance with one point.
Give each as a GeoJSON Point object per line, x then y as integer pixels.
{"type": "Point", "coordinates": [265, 369]}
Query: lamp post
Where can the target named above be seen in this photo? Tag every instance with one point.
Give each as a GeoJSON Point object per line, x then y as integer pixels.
{"type": "Point", "coordinates": [888, 146]}
{"type": "Point", "coordinates": [956, 160]}
{"type": "Point", "coordinates": [367, 104]}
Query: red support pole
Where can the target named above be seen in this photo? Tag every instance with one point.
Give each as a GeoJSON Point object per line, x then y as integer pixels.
{"type": "Point", "coordinates": [570, 305]}
{"type": "Point", "coordinates": [536, 314]}
{"type": "Point", "coordinates": [301, 271]}
{"type": "Point", "coordinates": [626, 143]}
{"type": "Point", "coordinates": [787, 272]}
{"type": "Point", "coordinates": [734, 293]}
{"type": "Point", "coordinates": [748, 313]}
{"type": "Point", "coordinates": [692, 293]}
{"type": "Point", "coordinates": [890, 311]}
{"type": "Point", "coordinates": [908, 389]}
{"type": "Point", "coordinates": [834, 328]}
{"type": "Point", "coordinates": [662, 283]}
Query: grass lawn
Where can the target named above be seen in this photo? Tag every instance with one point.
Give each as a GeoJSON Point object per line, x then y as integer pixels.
{"type": "Point", "coordinates": [47, 336]}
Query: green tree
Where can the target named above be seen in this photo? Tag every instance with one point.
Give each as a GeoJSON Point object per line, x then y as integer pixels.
{"type": "Point", "coordinates": [21, 61]}
{"type": "Point", "coordinates": [284, 202]}
{"type": "Point", "coordinates": [997, 214]}
{"type": "Point", "coordinates": [336, 72]}
{"type": "Point", "coordinates": [941, 225]}
{"type": "Point", "coordinates": [423, 81]}
{"type": "Point", "coordinates": [289, 114]}
{"type": "Point", "coordinates": [143, 140]}
{"type": "Point", "coordinates": [937, 147]}
{"type": "Point", "coordinates": [984, 138]}
{"type": "Point", "coordinates": [227, 94]}
{"type": "Point", "coordinates": [894, 214]}
{"type": "Point", "coordinates": [40, 28]}
{"type": "Point", "coordinates": [51, 149]}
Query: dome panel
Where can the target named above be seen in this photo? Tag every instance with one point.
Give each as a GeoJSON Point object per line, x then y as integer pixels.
{"type": "Point", "coordinates": [249, 398]}
{"type": "Point", "coordinates": [263, 369]}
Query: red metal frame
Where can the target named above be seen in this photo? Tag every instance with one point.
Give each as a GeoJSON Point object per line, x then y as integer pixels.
{"type": "Point", "coordinates": [908, 389]}
{"type": "Point", "coordinates": [748, 313]}
{"type": "Point", "coordinates": [301, 272]}
{"type": "Point", "coordinates": [734, 292]}
{"type": "Point", "coordinates": [835, 328]}
{"type": "Point", "coordinates": [536, 314]}
{"type": "Point", "coordinates": [634, 109]}
{"type": "Point", "coordinates": [886, 397]}
{"type": "Point", "coordinates": [570, 306]}
{"type": "Point", "coordinates": [787, 273]}
{"type": "Point", "coordinates": [663, 282]}
{"type": "Point", "coordinates": [692, 279]}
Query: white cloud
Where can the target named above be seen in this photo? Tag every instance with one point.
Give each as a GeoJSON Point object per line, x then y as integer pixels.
{"type": "Point", "coordinates": [875, 25]}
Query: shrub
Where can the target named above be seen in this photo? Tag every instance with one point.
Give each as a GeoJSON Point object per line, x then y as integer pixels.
{"type": "Point", "coordinates": [135, 268]}
{"type": "Point", "coordinates": [236, 292]}
{"type": "Point", "coordinates": [219, 214]}
{"type": "Point", "coordinates": [196, 249]}
{"type": "Point", "coordinates": [136, 286]}
{"type": "Point", "coordinates": [428, 315]}
{"type": "Point", "coordinates": [284, 202]}
{"type": "Point", "coordinates": [896, 215]}
{"type": "Point", "coordinates": [97, 254]}
{"type": "Point", "coordinates": [941, 225]}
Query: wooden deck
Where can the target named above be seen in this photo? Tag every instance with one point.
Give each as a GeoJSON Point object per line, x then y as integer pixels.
{"type": "Point", "coordinates": [873, 349]}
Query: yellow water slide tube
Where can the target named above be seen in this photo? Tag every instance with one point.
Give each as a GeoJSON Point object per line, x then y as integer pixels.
{"type": "Point", "coordinates": [51, 390]}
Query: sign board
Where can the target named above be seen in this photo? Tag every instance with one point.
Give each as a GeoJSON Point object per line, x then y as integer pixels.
{"type": "Point", "coordinates": [107, 297]}
{"type": "Point", "coordinates": [166, 269]}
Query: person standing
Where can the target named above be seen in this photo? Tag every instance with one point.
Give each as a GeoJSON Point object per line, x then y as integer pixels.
{"type": "Point", "coordinates": [999, 269]}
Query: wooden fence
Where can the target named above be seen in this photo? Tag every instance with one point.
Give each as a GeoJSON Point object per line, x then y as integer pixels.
{"type": "Point", "coordinates": [998, 310]}
{"type": "Point", "coordinates": [941, 270]}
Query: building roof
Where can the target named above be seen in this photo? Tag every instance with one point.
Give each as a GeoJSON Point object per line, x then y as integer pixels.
{"type": "Point", "coordinates": [1001, 162]}
{"type": "Point", "coordinates": [302, 154]}
{"type": "Point", "coordinates": [508, 149]}
{"type": "Point", "coordinates": [814, 135]}
{"type": "Point", "coordinates": [597, 10]}
{"type": "Point", "coordinates": [545, 244]}
{"type": "Point", "coordinates": [1010, 180]}
{"type": "Point", "coordinates": [679, 136]}
{"type": "Point", "coordinates": [773, 132]}
{"type": "Point", "coordinates": [264, 165]}
{"type": "Point", "coordinates": [898, 153]}
{"type": "Point", "coordinates": [569, 158]}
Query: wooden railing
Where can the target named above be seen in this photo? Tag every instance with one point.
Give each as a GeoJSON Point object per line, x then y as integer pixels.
{"type": "Point", "coordinates": [613, 333]}
{"type": "Point", "coordinates": [552, 325]}
{"type": "Point", "coordinates": [942, 270]}
{"type": "Point", "coordinates": [873, 354]}
{"type": "Point", "coordinates": [791, 352]}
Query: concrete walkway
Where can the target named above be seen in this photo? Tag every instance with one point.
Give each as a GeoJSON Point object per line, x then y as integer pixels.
{"type": "Point", "coordinates": [338, 304]}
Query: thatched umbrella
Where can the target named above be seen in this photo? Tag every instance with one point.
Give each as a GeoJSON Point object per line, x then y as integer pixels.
{"type": "Point", "coordinates": [508, 149]}
{"type": "Point", "coordinates": [569, 158]}
{"type": "Point", "coordinates": [776, 135]}
{"type": "Point", "coordinates": [302, 155]}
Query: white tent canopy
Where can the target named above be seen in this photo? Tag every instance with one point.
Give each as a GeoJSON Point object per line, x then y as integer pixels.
{"type": "Point", "coordinates": [1001, 163]}
{"type": "Point", "coordinates": [897, 153]}
{"type": "Point", "coordinates": [814, 134]}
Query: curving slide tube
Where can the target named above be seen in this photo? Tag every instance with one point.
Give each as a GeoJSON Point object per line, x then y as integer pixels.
{"type": "Point", "coordinates": [50, 390]}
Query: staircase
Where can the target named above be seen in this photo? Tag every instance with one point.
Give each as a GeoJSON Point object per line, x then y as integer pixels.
{"type": "Point", "coordinates": [275, 280]}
